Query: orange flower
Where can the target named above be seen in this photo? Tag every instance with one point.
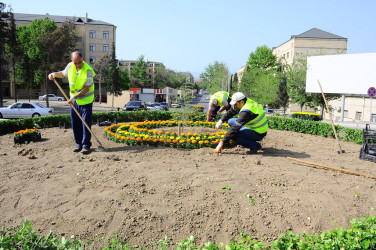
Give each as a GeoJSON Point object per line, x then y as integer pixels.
{"type": "Point", "coordinates": [160, 132]}
{"type": "Point", "coordinates": [189, 140]}
{"type": "Point", "coordinates": [174, 141]}
{"type": "Point", "coordinates": [138, 139]}
{"type": "Point", "coordinates": [168, 141]}
{"type": "Point", "coordinates": [194, 141]}
{"type": "Point", "coordinates": [181, 141]}
{"type": "Point", "coordinates": [201, 142]}
{"type": "Point", "coordinates": [156, 140]}
{"type": "Point", "coordinates": [149, 139]}
{"type": "Point", "coordinates": [161, 140]}
{"type": "Point", "coordinates": [155, 132]}
{"type": "Point", "coordinates": [206, 141]}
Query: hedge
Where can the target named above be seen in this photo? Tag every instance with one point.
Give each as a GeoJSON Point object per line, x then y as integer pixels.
{"type": "Point", "coordinates": [275, 122]}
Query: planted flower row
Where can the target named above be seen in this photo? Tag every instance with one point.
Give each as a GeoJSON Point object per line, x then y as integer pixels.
{"type": "Point", "coordinates": [27, 135]}
{"type": "Point", "coordinates": [147, 133]}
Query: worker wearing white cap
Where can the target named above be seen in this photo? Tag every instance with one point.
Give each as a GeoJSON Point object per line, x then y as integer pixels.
{"type": "Point", "coordinates": [250, 127]}
{"type": "Point", "coordinates": [220, 98]}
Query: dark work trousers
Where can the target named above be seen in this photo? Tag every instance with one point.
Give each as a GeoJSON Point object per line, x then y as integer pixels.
{"type": "Point", "coordinates": [213, 113]}
{"type": "Point", "coordinates": [246, 137]}
{"type": "Point", "coordinates": [81, 134]}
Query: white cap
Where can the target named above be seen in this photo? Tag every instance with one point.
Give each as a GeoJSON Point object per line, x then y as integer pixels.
{"type": "Point", "coordinates": [237, 97]}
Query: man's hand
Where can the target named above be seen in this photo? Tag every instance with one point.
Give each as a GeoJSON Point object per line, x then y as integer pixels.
{"type": "Point", "coordinates": [219, 147]}
{"type": "Point", "coordinates": [218, 125]}
{"type": "Point", "coordinates": [71, 101]}
{"type": "Point", "coordinates": [52, 76]}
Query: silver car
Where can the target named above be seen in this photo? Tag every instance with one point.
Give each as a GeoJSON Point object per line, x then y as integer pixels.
{"type": "Point", "coordinates": [52, 97]}
{"type": "Point", "coordinates": [25, 109]}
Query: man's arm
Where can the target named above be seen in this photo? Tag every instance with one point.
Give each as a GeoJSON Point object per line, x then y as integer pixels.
{"type": "Point", "coordinates": [244, 118]}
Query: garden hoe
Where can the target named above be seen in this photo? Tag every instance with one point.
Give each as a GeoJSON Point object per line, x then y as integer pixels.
{"type": "Point", "coordinates": [100, 147]}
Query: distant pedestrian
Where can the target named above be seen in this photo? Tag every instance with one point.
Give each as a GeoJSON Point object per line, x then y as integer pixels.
{"type": "Point", "coordinates": [81, 85]}
{"type": "Point", "coordinates": [250, 127]}
{"type": "Point", "coordinates": [218, 100]}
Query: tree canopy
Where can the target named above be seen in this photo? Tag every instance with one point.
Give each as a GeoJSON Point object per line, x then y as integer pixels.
{"type": "Point", "coordinates": [215, 77]}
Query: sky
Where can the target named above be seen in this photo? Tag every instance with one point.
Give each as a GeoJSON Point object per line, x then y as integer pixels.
{"type": "Point", "coordinates": [189, 35]}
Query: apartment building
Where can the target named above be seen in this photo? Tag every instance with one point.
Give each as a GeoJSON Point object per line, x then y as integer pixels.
{"type": "Point", "coordinates": [94, 40]}
{"type": "Point", "coordinates": [151, 68]}
{"type": "Point", "coordinates": [310, 43]}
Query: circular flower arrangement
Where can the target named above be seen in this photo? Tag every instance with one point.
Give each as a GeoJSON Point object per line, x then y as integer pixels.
{"type": "Point", "coordinates": [149, 133]}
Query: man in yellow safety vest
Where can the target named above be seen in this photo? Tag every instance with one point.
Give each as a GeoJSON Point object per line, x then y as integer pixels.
{"type": "Point", "coordinates": [81, 86]}
{"type": "Point", "coordinates": [218, 100]}
{"type": "Point", "coordinates": [250, 127]}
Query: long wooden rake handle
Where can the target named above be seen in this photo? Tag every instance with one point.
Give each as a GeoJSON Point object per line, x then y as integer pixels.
{"type": "Point", "coordinates": [75, 110]}
{"type": "Point", "coordinates": [331, 168]}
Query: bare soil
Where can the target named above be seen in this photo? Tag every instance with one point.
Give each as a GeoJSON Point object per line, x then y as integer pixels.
{"type": "Point", "coordinates": [144, 193]}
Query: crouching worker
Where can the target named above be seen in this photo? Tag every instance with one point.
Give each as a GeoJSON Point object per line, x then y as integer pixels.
{"type": "Point", "coordinates": [250, 127]}
{"type": "Point", "coordinates": [220, 98]}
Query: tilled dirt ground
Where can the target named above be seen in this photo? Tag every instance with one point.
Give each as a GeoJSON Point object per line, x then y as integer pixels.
{"type": "Point", "coordinates": [143, 194]}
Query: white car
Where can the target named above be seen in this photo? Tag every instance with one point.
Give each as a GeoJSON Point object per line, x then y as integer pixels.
{"type": "Point", "coordinates": [52, 97]}
{"type": "Point", "coordinates": [25, 109]}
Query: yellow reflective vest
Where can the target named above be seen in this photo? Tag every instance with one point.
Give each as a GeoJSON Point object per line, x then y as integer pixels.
{"type": "Point", "coordinates": [76, 84]}
{"type": "Point", "coordinates": [219, 97]}
{"type": "Point", "coordinates": [260, 123]}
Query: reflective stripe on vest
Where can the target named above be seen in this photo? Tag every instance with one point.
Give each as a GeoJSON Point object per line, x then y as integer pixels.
{"type": "Point", "coordinates": [260, 123]}
{"type": "Point", "coordinates": [219, 97]}
{"type": "Point", "coordinates": [77, 83]}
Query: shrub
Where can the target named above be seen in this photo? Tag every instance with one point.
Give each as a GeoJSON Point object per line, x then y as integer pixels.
{"type": "Point", "coordinates": [307, 116]}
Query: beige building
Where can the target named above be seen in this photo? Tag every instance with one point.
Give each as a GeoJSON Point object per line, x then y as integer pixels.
{"type": "Point", "coordinates": [310, 43]}
{"type": "Point", "coordinates": [151, 68]}
{"type": "Point", "coordinates": [94, 40]}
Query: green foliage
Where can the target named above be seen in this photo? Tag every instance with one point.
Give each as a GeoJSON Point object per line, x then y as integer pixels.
{"type": "Point", "coordinates": [315, 128]}
{"type": "Point", "coordinates": [113, 77]}
{"type": "Point", "coordinates": [215, 77]}
{"type": "Point", "coordinates": [361, 235]}
{"type": "Point", "coordinates": [262, 59]}
{"type": "Point", "coordinates": [139, 71]}
{"type": "Point", "coordinates": [282, 98]}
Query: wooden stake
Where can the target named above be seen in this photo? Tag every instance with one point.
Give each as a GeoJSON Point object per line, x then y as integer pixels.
{"type": "Point", "coordinates": [331, 120]}
{"type": "Point", "coordinates": [331, 168]}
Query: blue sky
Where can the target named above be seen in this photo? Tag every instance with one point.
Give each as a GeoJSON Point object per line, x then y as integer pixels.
{"type": "Point", "coordinates": [188, 35]}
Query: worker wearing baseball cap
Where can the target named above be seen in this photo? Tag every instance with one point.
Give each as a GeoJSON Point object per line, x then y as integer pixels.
{"type": "Point", "coordinates": [250, 127]}
{"type": "Point", "coordinates": [220, 98]}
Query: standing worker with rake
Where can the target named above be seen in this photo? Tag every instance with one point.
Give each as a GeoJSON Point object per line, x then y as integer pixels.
{"type": "Point", "coordinates": [81, 86]}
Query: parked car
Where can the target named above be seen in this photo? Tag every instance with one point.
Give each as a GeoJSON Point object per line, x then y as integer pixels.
{"type": "Point", "coordinates": [150, 106]}
{"type": "Point", "coordinates": [157, 106]}
{"type": "Point", "coordinates": [52, 97]}
{"type": "Point", "coordinates": [102, 99]}
{"type": "Point", "coordinates": [164, 106]}
{"type": "Point", "coordinates": [175, 105]}
{"type": "Point", "coordinates": [135, 105]}
{"type": "Point", "coordinates": [25, 109]}
{"type": "Point", "coordinates": [268, 111]}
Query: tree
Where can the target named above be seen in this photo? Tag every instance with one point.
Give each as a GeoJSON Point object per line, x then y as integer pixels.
{"type": "Point", "coordinates": [100, 67]}
{"type": "Point", "coordinates": [263, 58]}
{"type": "Point", "coordinates": [4, 28]}
{"type": "Point", "coordinates": [296, 83]}
{"type": "Point", "coordinates": [13, 50]}
{"type": "Point", "coordinates": [215, 77]}
{"type": "Point", "coordinates": [282, 99]}
{"type": "Point", "coordinates": [139, 72]}
{"type": "Point", "coordinates": [113, 78]}
{"type": "Point", "coordinates": [261, 77]}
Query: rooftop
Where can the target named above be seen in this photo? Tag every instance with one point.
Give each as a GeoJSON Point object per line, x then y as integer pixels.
{"type": "Point", "coordinates": [317, 33]}
{"type": "Point", "coordinates": [58, 19]}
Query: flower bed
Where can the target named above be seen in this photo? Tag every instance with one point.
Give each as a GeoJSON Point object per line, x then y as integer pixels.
{"type": "Point", "coordinates": [149, 133]}
{"type": "Point", "coordinates": [306, 116]}
{"type": "Point", "coordinates": [198, 108]}
{"type": "Point", "coordinates": [27, 135]}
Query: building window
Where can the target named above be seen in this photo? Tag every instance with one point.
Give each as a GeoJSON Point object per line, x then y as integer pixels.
{"type": "Point", "coordinates": [106, 47]}
{"type": "Point", "coordinates": [92, 59]}
{"type": "Point", "coordinates": [358, 116]}
{"type": "Point", "coordinates": [92, 34]}
{"type": "Point", "coordinates": [106, 34]}
{"type": "Point", "coordinates": [92, 46]}
{"type": "Point", "coordinates": [79, 39]}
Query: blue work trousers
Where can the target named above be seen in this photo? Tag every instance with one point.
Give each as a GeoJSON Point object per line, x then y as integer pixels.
{"type": "Point", "coordinates": [82, 135]}
{"type": "Point", "coordinates": [246, 137]}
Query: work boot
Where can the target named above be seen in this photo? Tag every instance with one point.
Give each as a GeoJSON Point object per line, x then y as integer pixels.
{"type": "Point", "coordinates": [253, 151]}
{"type": "Point", "coordinates": [77, 149]}
{"type": "Point", "coordinates": [86, 151]}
